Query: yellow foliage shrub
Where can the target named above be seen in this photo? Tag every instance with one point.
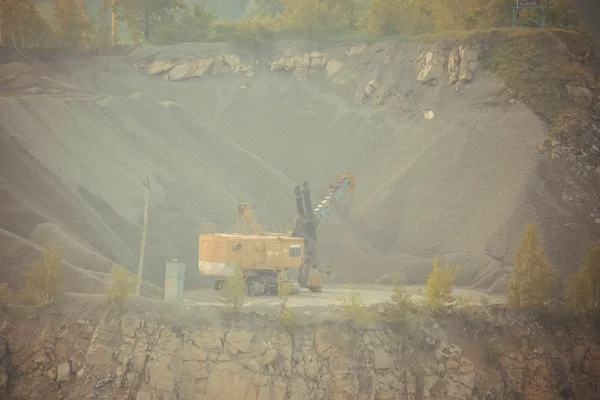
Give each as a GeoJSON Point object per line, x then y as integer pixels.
{"type": "Point", "coordinates": [355, 310]}
{"type": "Point", "coordinates": [42, 281]}
{"type": "Point", "coordinates": [395, 309]}
{"type": "Point", "coordinates": [583, 290]}
{"type": "Point", "coordinates": [120, 287]}
{"type": "Point", "coordinates": [255, 32]}
{"type": "Point", "coordinates": [288, 318]}
{"type": "Point", "coordinates": [439, 286]}
{"type": "Point", "coordinates": [284, 287]}
{"type": "Point", "coordinates": [233, 292]}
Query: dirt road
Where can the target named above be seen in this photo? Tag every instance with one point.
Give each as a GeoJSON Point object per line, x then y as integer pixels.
{"type": "Point", "coordinates": [371, 294]}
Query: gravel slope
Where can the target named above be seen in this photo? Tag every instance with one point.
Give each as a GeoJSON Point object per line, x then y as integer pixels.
{"type": "Point", "coordinates": [461, 185]}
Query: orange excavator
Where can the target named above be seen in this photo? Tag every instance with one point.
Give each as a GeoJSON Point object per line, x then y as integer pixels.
{"type": "Point", "coordinates": [262, 255]}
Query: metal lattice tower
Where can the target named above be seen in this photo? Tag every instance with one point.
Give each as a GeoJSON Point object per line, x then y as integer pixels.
{"type": "Point", "coordinates": [530, 12]}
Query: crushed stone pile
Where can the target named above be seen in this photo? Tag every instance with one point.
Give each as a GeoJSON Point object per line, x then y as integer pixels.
{"type": "Point", "coordinates": [79, 137]}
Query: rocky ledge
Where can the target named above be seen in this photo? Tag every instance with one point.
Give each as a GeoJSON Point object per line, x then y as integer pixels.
{"type": "Point", "coordinates": [251, 355]}
{"type": "Point", "coordinates": [371, 68]}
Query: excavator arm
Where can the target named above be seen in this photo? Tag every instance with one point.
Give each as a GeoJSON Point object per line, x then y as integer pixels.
{"type": "Point", "coordinates": [306, 224]}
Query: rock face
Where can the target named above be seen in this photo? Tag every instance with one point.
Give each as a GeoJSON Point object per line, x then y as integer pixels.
{"type": "Point", "coordinates": [181, 63]}
{"type": "Point", "coordinates": [138, 359]}
{"type": "Point", "coordinates": [459, 63]}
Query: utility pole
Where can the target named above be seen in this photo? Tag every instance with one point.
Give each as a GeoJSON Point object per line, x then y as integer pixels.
{"type": "Point", "coordinates": [144, 231]}
{"type": "Point", "coordinates": [113, 23]}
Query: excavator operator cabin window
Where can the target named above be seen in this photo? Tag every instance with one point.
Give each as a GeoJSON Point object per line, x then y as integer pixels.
{"type": "Point", "coordinates": [295, 250]}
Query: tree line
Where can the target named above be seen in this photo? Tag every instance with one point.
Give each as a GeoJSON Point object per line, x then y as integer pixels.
{"type": "Point", "coordinates": [70, 27]}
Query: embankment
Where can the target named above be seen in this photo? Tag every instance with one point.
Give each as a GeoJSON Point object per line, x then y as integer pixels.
{"type": "Point", "coordinates": [81, 350]}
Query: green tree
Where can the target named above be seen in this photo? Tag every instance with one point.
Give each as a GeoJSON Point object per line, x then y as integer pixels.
{"type": "Point", "coordinates": [144, 17]}
{"type": "Point", "coordinates": [533, 279]}
{"type": "Point", "coordinates": [583, 290]}
{"type": "Point", "coordinates": [439, 285]}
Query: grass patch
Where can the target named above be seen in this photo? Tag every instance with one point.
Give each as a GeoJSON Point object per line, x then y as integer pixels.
{"type": "Point", "coordinates": [355, 310]}
{"type": "Point", "coordinates": [538, 65]}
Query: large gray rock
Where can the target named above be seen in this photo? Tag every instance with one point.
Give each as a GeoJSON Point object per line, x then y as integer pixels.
{"type": "Point", "coordinates": [580, 95]}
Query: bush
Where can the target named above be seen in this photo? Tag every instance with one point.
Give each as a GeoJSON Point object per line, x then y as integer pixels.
{"type": "Point", "coordinates": [284, 287]}
{"type": "Point", "coordinates": [233, 292]}
{"type": "Point", "coordinates": [288, 318]}
{"type": "Point", "coordinates": [464, 306]}
{"type": "Point", "coordinates": [395, 309]}
{"type": "Point", "coordinates": [318, 17]}
{"type": "Point", "coordinates": [42, 281]}
{"type": "Point", "coordinates": [439, 286]}
{"type": "Point", "coordinates": [121, 286]}
{"type": "Point", "coordinates": [194, 26]}
{"type": "Point", "coordinates": [355, 310]}
{"type": "Point", "coordinates": [493, 352]}
{"type": "Point", "coordinates": [254, 33]}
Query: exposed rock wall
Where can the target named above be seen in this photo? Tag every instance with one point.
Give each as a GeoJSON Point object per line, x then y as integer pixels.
{"type": "Point", "coordinates": [130, 357]}
{"type": "Point", "coordinates": [188, 61]}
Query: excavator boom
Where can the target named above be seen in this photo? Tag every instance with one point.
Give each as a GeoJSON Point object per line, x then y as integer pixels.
{"type": "Point", "coordinates": [246, 217]}
{"type": "Point", "coordinates": [306, 224]}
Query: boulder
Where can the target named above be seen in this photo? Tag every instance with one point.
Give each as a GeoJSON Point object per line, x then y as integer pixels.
{"type": "Point", "coordinates": [191, 69]}
{"type": "Point", "coordinates": [240, 340]}
{"type": "Point", "coordinates": [382, 360]}
{"type": "Point", "coordinates": [352, 50]}
{"type": "Point", "coordinates": [161, 376]}
{"type": "Point", "coordinates": [160, 66]}
{"type": "Point", "coordinates": [193, 353]}
{"type": "Point", "coordinates": [98, 355]}
{"type": "Point", "coordinates": [453, 65]}
{"type": "Point", "coordinates": [333, 67]}
{"type": "Point", "coordinates": [63, 373]}
{"type": "Point", "coordinates": [580, 95]}
{"type": "Point", "coordinates": [430, 74]}
{"type": "Point", "coordinates": [432, 67]}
